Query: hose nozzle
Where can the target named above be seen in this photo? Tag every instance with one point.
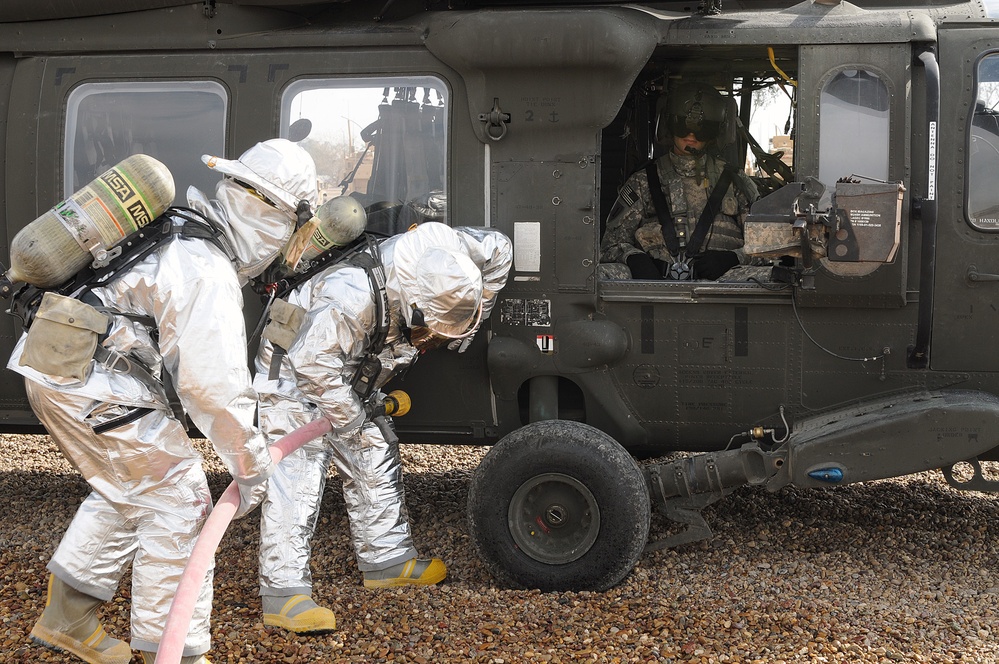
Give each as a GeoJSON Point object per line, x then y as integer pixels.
{"type": "Point", "coordinates": [397, 403]}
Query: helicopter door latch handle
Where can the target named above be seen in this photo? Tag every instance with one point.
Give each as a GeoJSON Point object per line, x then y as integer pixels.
{"type": "Point", "coordinates": [975, 275]}
{"type": "Point", "coordinates": [496, 121]}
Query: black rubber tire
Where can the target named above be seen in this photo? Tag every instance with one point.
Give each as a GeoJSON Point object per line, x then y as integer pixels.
{"type": "Point", "coordinates": [559, 458]}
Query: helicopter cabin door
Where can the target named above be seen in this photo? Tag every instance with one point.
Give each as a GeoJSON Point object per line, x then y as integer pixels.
{"type": "Point", "coordinates": [966, 284]}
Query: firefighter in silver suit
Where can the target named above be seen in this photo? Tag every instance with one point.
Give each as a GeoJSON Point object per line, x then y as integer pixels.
{"type": "Point", "coordinates": [440, 283]}
{"type": "Point", "coordinates": [178, 314]}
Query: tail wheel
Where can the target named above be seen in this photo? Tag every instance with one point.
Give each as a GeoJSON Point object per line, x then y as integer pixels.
{"type": "Point", "coordinates": [559, 505]}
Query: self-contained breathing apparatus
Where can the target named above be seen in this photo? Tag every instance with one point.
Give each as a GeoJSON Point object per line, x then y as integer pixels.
{"type": "Point", "coordinates": [26, 300]}
{"type": "Point", "coordinates": [281, 321]}
{"type": "Point", "coordinates": [67, 324]}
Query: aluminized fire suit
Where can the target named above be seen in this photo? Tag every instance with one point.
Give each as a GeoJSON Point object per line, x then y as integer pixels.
{"type": "Point", "coordinates": [315, 380]}
{"type": "Point", "coordinates": [150, 494]}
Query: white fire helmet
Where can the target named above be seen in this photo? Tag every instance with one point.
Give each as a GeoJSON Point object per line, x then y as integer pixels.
{"type": "Point", "coordinates": [439, 284]}
{"type": "Point", "coordinates": [257, 202]}
{"type": "Point", "coordinates": [282, 172]}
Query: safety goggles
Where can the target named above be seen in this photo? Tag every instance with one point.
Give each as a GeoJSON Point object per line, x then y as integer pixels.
{"type": "Point", "coordinates": [425, 339]}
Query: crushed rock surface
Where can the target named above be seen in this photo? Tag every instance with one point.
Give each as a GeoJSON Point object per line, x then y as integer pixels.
{"type": "Point", "coordinates": [898, 570]}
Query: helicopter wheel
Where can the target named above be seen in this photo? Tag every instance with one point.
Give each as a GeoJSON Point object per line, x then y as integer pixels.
{"type": "Point", "coordinates": [559, 505]}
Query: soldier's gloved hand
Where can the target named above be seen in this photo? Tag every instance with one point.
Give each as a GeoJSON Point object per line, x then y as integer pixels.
{"type": "Point", "coordinates": [713, 264]}
{"type": "Point", "coordinates": [250, 495]}
{"type": "Point", "coordinates": [643, 266]}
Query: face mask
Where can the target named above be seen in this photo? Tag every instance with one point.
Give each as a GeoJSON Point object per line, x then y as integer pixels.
{"type": "Point", "coordinates": [257, 230]}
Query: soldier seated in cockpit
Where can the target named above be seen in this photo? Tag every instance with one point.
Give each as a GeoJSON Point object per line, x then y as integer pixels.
{"type": "Point", "coordinates": [681, 217]}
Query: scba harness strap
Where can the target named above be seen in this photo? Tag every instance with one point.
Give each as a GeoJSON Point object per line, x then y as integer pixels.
{"type": "Point", "coordinates": [362, 253]}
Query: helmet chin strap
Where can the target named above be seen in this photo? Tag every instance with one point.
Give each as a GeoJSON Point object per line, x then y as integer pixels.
{"type": "Point", "coordinates": [692, 151]}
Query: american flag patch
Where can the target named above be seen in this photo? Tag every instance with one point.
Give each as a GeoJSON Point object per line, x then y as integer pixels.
{"type": "Point", "coordinates": [628, 195]}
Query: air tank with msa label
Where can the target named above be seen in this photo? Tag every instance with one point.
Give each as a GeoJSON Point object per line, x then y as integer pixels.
{"type": "Point", "coordinates": [85, 226]}
{"type": "Point", "coordinates": [338, 222]}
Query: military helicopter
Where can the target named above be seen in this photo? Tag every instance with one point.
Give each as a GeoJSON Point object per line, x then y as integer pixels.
{"type": "Point", "coordinates": [864, 352]}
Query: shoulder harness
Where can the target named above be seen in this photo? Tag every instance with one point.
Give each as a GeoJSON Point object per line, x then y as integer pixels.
{"type": "Point", "coordinates": [682, 254]}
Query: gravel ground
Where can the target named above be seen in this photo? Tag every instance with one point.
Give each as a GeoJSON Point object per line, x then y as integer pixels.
{"type": "Point", "coordinates": [891, 571]}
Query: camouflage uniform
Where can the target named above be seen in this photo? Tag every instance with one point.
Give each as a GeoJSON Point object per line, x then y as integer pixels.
{"type": "Point", "coordinates": [633, 225]}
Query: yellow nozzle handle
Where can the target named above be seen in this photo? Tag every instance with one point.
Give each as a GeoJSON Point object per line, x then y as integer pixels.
{"type": "Point", "coordinates": [397, 403]}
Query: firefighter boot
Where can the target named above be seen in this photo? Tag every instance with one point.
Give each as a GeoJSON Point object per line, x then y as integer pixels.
{"type": "Point", "coordinates": [150, 657]}
{"type": "Point", "coordinates": [69, 622]}
{"type": "Point", "coordinates": [298, 614]}
{"type": "Point", "coordinates": [413, 572]}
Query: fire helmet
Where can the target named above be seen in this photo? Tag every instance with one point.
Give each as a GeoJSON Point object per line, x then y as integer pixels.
{"type": "Point", "coordinates": [280, 171]}
{"type": "Point", "coordinates": [438, 283]}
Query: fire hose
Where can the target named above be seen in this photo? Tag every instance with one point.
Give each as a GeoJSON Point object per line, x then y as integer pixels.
{"type": "Point", "coordinates": [171, 647]}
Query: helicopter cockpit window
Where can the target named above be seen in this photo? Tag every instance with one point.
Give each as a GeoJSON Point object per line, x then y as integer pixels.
{"type": "Point", "coordinates": [175, 122]}
{"type": "Point", "coordinates": [382, 141]}
{"type": "Point", "coordinates": [853, 127]}
{"type": "Point", "coordinates": [983, 152]}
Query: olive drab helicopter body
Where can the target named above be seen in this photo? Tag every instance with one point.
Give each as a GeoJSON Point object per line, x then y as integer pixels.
{"type": "Point", "coordinates": [862, 350]}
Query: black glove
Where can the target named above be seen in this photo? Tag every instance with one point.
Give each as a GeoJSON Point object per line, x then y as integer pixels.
{"type": "Point", "coordinates": [713, 264]}
{"type": "Point", "coordinates": [374, 407]}
{"type": "Point", "coordinates": [643, 266]}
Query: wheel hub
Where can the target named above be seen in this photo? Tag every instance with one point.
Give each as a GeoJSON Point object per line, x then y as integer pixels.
{"type": "Point", "coordinates": [556, 515]}
{"type": "Point", "coordinates": [554, 518]}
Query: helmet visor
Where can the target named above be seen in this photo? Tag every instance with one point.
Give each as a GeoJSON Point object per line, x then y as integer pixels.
{"type": "Point", "coordinates": [255, 192]}
{"type": "Point", "coordinates": [424, 338]}
{"type": "Point", "coordinates": [703, 130]}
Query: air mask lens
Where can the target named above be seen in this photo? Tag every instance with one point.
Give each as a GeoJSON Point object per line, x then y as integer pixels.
{"type": "Point", "coordinates": [253, 191]}
{"type": "Point", "coordinates": [423, 338]}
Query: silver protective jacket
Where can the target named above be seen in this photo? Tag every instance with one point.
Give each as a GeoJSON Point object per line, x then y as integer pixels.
{"type": "Point", "coordinates": [315, 380]}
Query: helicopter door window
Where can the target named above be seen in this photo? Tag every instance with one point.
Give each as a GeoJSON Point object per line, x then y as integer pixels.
{"type": "Point", "coordinates": [853, 127]}
{"type": "Point", "coordinates": [983, 151]}
{"type": "Point", "coordinates": [174, 122]}
{"type": "Point", "coordinates": [380, 140]}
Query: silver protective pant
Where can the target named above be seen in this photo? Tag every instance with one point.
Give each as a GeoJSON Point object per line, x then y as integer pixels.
{"type": "Point", "coordinates": [150, 499]}
{"type": "Point", "coordinates": [371, 470]}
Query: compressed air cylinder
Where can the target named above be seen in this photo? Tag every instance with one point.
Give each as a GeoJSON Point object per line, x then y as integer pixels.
{"type": "Point", "coordinates": [341, 221]}
{"type": "Point", "coordinates": [61, 242]}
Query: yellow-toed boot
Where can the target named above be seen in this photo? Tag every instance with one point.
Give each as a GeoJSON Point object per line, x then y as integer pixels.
{"type": "Point", "coordinates": [413, 572]}
{"type": "Point", "coordinates": [69, 622]}
{"type": "Point", "coordinates": [298, 614]}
